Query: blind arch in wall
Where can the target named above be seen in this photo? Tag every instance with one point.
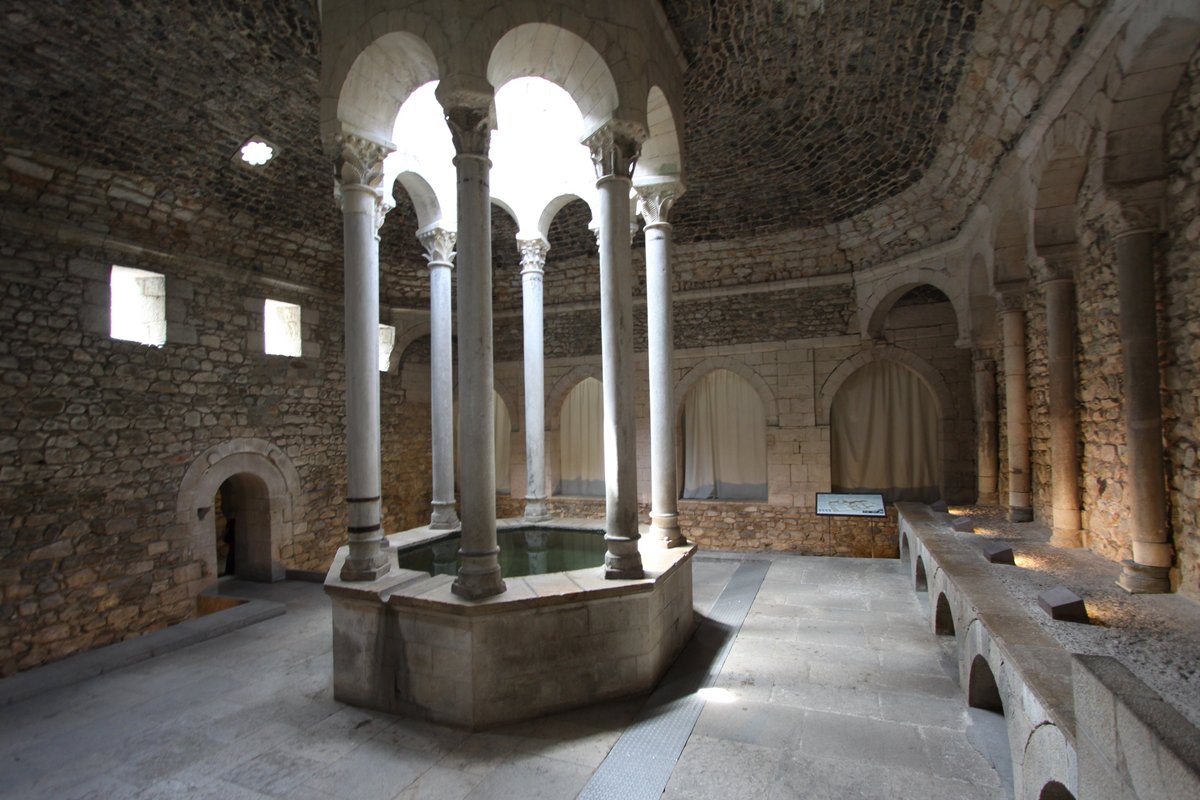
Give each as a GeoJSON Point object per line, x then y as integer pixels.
{"type": "Point", "coordinates": [724, 439]}
{"type": "Point", "coordinates": [581, 441]}
{"type": "Point", "coordinates": [503, 439]}
{"type": "Point", "coordinates": [883, 432]}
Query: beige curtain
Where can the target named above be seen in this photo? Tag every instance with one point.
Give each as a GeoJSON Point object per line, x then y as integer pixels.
{"type": "Point", "coordinates": [884, 434]}
{"type": "Point", "coordinates": [724, 440]}
{"type": "Point", "coordinates": [581, 441]}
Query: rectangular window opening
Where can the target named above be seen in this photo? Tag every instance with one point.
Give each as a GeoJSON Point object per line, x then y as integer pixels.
{"type": "Point", "coordinates": [387, 341]}
{"type": "Point", "coordinates": [138, 306]}
{"type": "Point", "coordinates": [281, 328]}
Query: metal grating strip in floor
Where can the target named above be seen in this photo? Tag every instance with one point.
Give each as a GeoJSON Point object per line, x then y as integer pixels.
{"type": "Point", "coordinates": [640, 763]}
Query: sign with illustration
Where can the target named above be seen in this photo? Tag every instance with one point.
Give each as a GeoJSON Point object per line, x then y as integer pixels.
{"type": "Point", "coordinates": [833, 504]}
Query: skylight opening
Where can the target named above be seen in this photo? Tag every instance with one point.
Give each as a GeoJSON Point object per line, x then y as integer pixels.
{"type": "Point", "coordinates": [256, 152]}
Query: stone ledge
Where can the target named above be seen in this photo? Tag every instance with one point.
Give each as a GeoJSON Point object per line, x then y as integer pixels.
{"type": "Point", "coordinates": [81, 666]}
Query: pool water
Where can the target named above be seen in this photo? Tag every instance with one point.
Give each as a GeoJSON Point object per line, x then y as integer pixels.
{"type": "Point", "coordinates": [523, 551]}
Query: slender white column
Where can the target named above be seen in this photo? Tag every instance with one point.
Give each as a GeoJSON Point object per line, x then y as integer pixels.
{"type": "Point", "coordinates": [358, 190]}
{"type": "Point", "coordinates": [654, 203]}
{"type": "Point", "coordinates": [1016, 402]}
{"type": "Point", "coordinates": [1149, 569]}
{"type": "Point", "coordinates": [479, 570]}
{"type": "Point", "coordinates": [439, 250]}
{"type": "Point", "coordinates": [533, 265]}
{"type": "Point", "coordinates": [615, 148]}
{"type": "Point", "coordinates": [1059, 264]}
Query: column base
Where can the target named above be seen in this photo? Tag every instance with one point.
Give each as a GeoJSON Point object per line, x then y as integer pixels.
{"type": "Point", "coordinates": [444, 516]}
{"type": "Point", "coordinates": [1066, 538]}
{"type": "Point", "coordinates": [988, 498]}
{"type": "Point", "coordinates": [622, 561]}
{"type": "Point", "coordinates": [476, 586]}
{"type": "Point", "coordinates": [1020, 514]}
{"type": "Point", "coordinates": [664, 530]}
{"type": "Point", "coordinates": [478, 575]}
{"type": "Point", "coordinates": [1140, 579]}
{"type": "Point", "coordinates": [535, 510]}
{"type": "Point", "coordinates": [371, 569]}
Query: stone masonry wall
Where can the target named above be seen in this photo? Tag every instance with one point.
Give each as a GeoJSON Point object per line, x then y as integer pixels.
{"type": "Point", "coordinates": [1181, 367]}
{"type": "Point", "coordinates": [96, 434]}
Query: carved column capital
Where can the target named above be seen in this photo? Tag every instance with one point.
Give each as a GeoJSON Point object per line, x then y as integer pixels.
{"type": "Point", "coordinates": [439, 246]}
{"type": "Point", "coordinates": [533, 255]}
{"type": "Point", "coordinates": [1012, 295]}
{"type": "Point", "coordinates": [1057, 263]}
{"type": "Point", "coordinates": [615, 148]}
{"type": "Point", "coordinates": [360, 171]}
{"type": "Point", "coordinates": [471, 129]}
{"type": "Point", "coordinates": [655, 201]}
{"type": "Point", "coordinates": [1135, 209]}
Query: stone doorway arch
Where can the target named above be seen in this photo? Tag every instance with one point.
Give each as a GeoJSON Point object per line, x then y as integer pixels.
{"type": "Point", "coordinates": [262, 487]}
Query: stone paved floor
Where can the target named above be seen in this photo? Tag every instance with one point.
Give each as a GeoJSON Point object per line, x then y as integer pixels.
{"type": "Point", "coordinates": [834, 688]}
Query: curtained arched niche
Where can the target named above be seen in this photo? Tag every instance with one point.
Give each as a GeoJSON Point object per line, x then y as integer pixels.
{"type": "Point", "coordinates": [581, 441]}
{"type": "Point", "coordinates": [724, 439]}
{"type": "Point", "coordinates": [884, 425]}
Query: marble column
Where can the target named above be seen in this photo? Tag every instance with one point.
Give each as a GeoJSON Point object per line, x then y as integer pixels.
{"type": "Point", "coordinates": [615, 148]}
{"type": "Point", "coordinates": [1060, 365]}
{"type": "Point", "coordinates": [359, 175]}
{"type": "Point", "coordinates": [654, 203]}
{"type": "Point", "coordinates": [439, 250]}
{"type": "Point", "coordinates": [987, 452]}
{"type": "Point", "coordinates": [1016, 401]}
{"type": "Point", "coordinates": [533, 265]}
{"type": "Point", "coordinates": [1149, 570]}
{"type": "Point", "coordinates": [479, 570]}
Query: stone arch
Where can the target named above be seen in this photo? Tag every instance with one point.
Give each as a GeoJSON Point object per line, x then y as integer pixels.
{"type": "Point", "coordinates": [887, 292]}
{"type": "Point", "coordinates": [563, 57]}
{"type": "Point", "coordinates": [943, 616]}
{"type": "Point", "coordinates": [510, 403]}
{"type": "Point", "coordinates": [770, 406]}
{"type": "Point", "coordinates": [424, 199]}
{"type": "Point", "coordinates": [280, 483]}
{"type": "Point", "coordinates": [1055, 791]}
{"type": "Point", "coordinates": [932, 378]}
{"type": "Point", "coordinates": [983, 305]}
{"type": "Point", "coordinates": [920, 579]}
{"type": "Point", "coordinates": [551, 211]}
{"type": "Point", "coordinates": [904, 551]}
{"type": "Point", "coordinates": [982, 689]}
{"type": "Point", "coordinates": [1046, 770]}
{"type": "Point", "coordinates": [661, 156]}
{"type": "Point", "coordinates": [1011, 260]}
{"type": "Point", "coordinates": [558, 392]}
{"type": "Point", "coordinates": [1058, 174]}
{"type": "Point", "coordinates": [374, 73]}
{"type": "Point", "coordinates": [1152, 59]}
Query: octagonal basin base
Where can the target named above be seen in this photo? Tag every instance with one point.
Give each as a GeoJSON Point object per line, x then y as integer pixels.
{"type": "Point", "coordinates": [405, 645]}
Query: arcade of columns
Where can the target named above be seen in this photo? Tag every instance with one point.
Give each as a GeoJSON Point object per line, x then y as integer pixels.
{"type": "Point", "coordinates": [614, 149]}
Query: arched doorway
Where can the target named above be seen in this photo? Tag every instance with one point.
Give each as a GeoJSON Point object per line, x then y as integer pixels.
{"type": "Point", "coordinates": [242, 528]}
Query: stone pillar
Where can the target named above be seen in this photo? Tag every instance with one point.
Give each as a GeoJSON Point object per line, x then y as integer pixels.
{"type": "Point", "coordinates": [987, 453]}
{"type": "Point", "coordinates": [1060, 363]}
{"type": "Point", "coordinates": [533, 265]}
{"type": "Point", "coordinates": [359, 175]}
{"type": "Point", "coordinates": [439, 250]}
{"type": "Point", "coordinates": [654, 203]}
{"type": "Point", "coordinates": [479, 570]}
{"type": "Point", "coordinates": [615, 148]}
{"type": "Point", "coordinates": [1016, 401]}
{"type": "Point", "coordinates": [1149, 570]}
